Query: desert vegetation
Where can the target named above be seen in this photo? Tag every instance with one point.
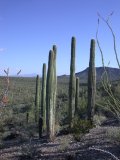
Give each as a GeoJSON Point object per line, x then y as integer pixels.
{"type": "Point", "coordinates": [64, 117]}
{"type": "Point", "coordinates": [70, 111]}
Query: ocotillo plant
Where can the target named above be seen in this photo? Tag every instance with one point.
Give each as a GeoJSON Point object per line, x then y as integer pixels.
{"type": "Point", "coordinates": [50, 93]}
{"type": "Point", "coordinates": [77, 95]}
{"type": "Point", "coordinates": [43, 96]}
{"type": "Point", "coordinates": [72, 83]}
{"type": "Point", "coordinates": [37, 98]}
{"type": "Point", "coordinates": [91, 83]}
{"type": "Point", "coordinates": [4, 97]}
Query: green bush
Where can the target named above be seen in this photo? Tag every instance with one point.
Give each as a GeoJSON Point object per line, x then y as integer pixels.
{"type": "Point", "coordinates": [80, 127]}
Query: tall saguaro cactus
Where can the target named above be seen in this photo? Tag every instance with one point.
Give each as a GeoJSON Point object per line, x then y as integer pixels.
{"type": "Point", "coordinates": [37, 98]}
{"type": "Point", "coordinates": [55, 85]}
{"type": "Point", "coordinates": [91, 82]}
{"type": "Point", "coordinates": [72, 82]}
{"type": "Point", "coordinates": [43, 96]}
{"type": "Point", "coordinates": [50, 96]}
{"type": "Point", "coordinates": [77, 95]}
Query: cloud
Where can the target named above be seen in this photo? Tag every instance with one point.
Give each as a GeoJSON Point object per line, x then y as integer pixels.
{"type": "Point", "coordinates": [2, 49]}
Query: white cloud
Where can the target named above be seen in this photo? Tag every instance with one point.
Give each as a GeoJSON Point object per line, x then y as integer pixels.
{"type": "Point", "coordinates": [2, 49]}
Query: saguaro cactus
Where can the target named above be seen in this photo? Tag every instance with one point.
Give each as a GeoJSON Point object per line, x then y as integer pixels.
{"type": "Point", "coordinates": [37, 98]}
{"type": "Point", "coordinates": [72, 83]}
{"type": "Point", "coordinates": [43, 96]}
{"type": "Point", "coordinates": [91, 82]}
{"type": "Point", "coordinates": [50, 93]}
{"type": "Point", "coordinates": [77, 95]}
{"type": "Point", "coordinates": [55, 85]}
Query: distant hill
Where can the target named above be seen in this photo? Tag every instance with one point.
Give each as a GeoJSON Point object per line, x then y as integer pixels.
{"type": "Point", "coordinates": [26, 75]}
{"type": "Point", "coordinates": [113, 74]}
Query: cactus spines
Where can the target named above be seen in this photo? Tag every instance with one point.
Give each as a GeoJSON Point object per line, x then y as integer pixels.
{"type": "Point", "coordinates": [43, 96]}
{"type": "Point", "coordinates": [50, 93]}
{"type": "Point", "coordinates": [72, 82]}
{"type": "Point", "coordinates": [77, 95]}
{"type": "Point", "coordinates": [37, 98]}
{"type": "Point", "coordinates": [91, 82]}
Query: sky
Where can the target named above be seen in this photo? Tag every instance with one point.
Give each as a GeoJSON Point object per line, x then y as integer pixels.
{"type": "Point", "coordinates": [29, 29]}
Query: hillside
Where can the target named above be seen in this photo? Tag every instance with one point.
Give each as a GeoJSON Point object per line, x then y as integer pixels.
{"type": "Point", "coordinates": [113, 74]}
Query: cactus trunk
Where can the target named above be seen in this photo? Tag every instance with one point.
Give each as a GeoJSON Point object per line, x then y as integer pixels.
{"type": "Point", "coordinates": [91, 83]}
{"type": "Point", "coordinates": [72, 83]}
{"type": "Point", "coordinates": [77, 95]}
{"type": "Point", "coordinates": [50, 96]}
{"type": "Point", "coordinates": [55, 86]}
{"type": "Point", "coordinates": [43, 96]}
{"type": "Point", "coordinates": [37, 98]}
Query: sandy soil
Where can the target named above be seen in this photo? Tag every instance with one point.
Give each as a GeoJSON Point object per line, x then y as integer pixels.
{"type": "Point", "coordinates": [95, 145]}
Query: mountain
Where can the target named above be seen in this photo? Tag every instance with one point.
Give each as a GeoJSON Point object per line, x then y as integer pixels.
{"type": "Point", "coordinates": [113, 74]}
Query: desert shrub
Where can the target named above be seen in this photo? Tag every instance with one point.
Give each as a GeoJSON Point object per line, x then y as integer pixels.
{"type": "Point", "coordinates": [63, 96]}
{"type": "Point", "coordinates": [64, 130]}
{"type": "Point", "coordinates": [116, 90]}
{"type": "Point", "coordinates": [98, 119]}
{"type": "Point", "coordinates": [6, 117]}
{"type": "Point", "coordinates": [113, 133]}
{"type": "Point", "coordinates": [23, 137]}
{"type": "Point", "coordinates": [64, 145]}
{"type": "Point", "coordinates": [80, 127]}
{"type": "Point", "coordinates": [13, 123]}
{"type": "Point", "coordinates": [102, 109]}
{"type": "Point", "coordinates": [22, 108]}
{"type": "Point", "coordinates": [28, 152]}
{"type": "Point", "coordinates": [82, 107]}
{"type": "Point", "coordinates": [1, 127]}
{"type": "Point", "coordinates": [62, 113]}
{"type": "Point", "coordinates": [32, 130]}
{"type": "Point", "coordinates": [10, 135]}
{"type": "Point", "coordinates": [1, 145]}
{"type": "Point", "coordinates": [57, 128]}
